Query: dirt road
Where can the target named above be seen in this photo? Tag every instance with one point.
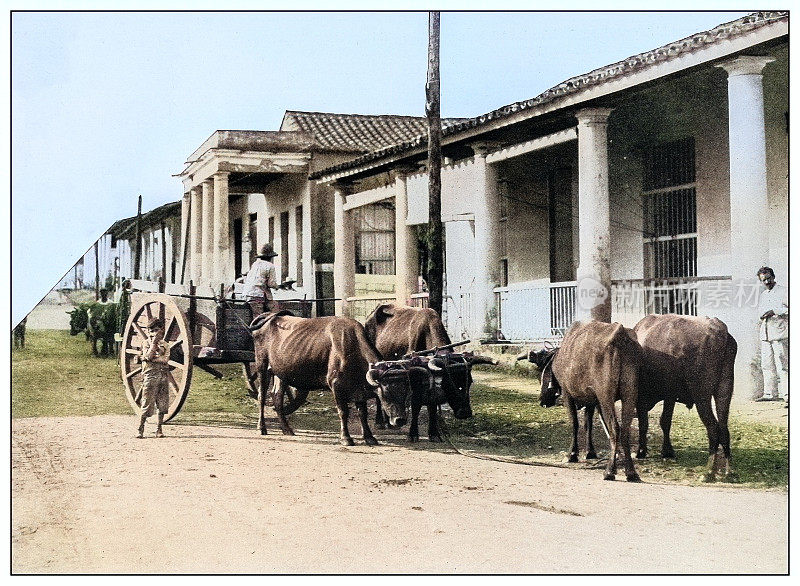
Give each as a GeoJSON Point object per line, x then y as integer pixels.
{"type": "Point", "coordinates": [88, 497]}
{"type": "Point", "coordinates": [50, 313]}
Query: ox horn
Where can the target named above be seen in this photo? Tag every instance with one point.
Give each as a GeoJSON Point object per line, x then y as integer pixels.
{"type": "Point", "coordinates": [433, 366]}
{"type": "Point", "coordinates": [523, 356]}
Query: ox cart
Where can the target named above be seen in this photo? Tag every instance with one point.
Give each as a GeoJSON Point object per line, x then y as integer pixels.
{"type": "Point", "coordinates": [202, 328]}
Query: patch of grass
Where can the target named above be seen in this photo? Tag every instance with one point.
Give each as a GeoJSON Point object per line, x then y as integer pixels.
{"type": "Point", "coordinates": [56, 375]}
{"type": "Point", "coordinates": [509, 421]}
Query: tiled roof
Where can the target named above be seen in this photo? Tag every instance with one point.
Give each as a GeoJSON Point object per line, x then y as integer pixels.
{"type": "Point", "coordinates": [574, 84]}
{"type": "Point", "coordinates": [126, 227]}
{"type": "Point", "coordinates": [357, 132]}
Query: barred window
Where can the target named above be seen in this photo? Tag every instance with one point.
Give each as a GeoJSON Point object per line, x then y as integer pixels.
{"type": "Point", "coordinates": [669, 201]}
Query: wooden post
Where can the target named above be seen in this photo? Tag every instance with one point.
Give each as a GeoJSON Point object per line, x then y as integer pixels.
{"type": "Point", "coordinates": [96, 272]}
{"type": "Point", "coordinates": [432, 111]}
{"type": "Point", "coordinates": [164, 251]}
{"type": "Point", "coordinates": [137, 251]}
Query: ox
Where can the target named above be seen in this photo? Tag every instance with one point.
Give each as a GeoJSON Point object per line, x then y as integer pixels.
{"type": "Point", "coordinates": [397, 331]}
{"type": "Point", "coordinates": [101, 327]}
{"type": "Point", "coordinates": [687, 360]}
{"type": "Point", "coordinates": [597, 365]}
{"type": "Point", "coordinates": [316, 353]}
{"type": "Point", "coordinates": [549, 388]}
{"type": "Point", "coordinates": [78, 319]}
{"type": "Point", "coordinates": [19, 333]}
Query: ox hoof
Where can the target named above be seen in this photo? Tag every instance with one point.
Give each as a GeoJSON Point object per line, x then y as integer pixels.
{"type": "Point", "coordinates": [641, 454]}
{"type": "Point", "coordinates": [668, 454]}
{"type": "Point", "coordinates": [287, 431]}
{"type": "Point", "coordinates": [572, 458]}
{"type": "Point", "coordinates": [263, 431]}
{"type": "Point", "coordinates": [634, 478]}
{"type": "Point", "coordinates": [435, 439]}
{"type": "Point", "coordinates": [370, 441]}
{"type": "Point", "coordinates": [347, 441]}
{"type": "Point", "coordinates": [413, 439]}
{"type": "Point", "coordinates": [591, 455]}
{"type": "Point", "coordinates": [608, 476]}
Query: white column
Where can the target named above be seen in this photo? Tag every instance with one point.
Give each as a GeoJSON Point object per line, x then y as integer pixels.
{"type": "Point", "coordinates": [487, 246]}
{"type": "Point", "coordinates": [207, 258]}
{"type": "Point", "coordinates": [223, 265]}
{"type": "Point", "coordinates": [182, 245]}
{"type": "Point", "coordinates": [406, 262]}
{"type": "Point", "coordinates": [749, 208]}
{"type": "Point", "coordinates": [196, 235]}
{"type": "Point", "coordinates": [309, 278]}
{"type": "Point", "coordinates": [344, 261]}
{"type": "Point", "coordinates": [594, 265]}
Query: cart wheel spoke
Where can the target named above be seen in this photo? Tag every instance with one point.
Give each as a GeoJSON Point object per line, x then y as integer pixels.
{"type": "Point", "coordinates": [139, 330]}
{"type": "Point", "coordinates": [134, 372]}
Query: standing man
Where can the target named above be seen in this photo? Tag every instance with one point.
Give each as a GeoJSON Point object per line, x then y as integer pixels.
{"type": "Point", "coordinates": [260, 280]}
{"type": "Point", "coordinates": [774, 333]}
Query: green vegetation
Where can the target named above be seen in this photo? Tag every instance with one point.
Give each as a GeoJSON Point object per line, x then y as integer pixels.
{"type": "Point", "coordinates": [56, 375]}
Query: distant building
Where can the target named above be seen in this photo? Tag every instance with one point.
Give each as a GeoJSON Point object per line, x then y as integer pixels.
{"type": "Point", "coordinates": [244, 188]}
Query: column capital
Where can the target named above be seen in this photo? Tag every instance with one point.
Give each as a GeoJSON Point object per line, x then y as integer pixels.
{"type": "Point", "coordinates": [342, 187]}
{"type": "Point", "coordinates": [593, 115]}
{"type": "Point", "coordinates": [404, 171]}
{"type": "Point", "coordinates": [481, 149]}
{"type": "Point", "coordinates": [745, 65]}
{"type": "Point", "coordinates": [221, 175]}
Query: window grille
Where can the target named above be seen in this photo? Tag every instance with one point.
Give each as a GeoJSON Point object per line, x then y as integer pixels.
{"type": "Point", "coordinates": [375, 254]}
{"type": "Point", "coordinates": [670, 226]}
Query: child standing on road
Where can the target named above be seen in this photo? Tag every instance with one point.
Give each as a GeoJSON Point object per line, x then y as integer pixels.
{"type": "Point", "coordinates": [154, 394]}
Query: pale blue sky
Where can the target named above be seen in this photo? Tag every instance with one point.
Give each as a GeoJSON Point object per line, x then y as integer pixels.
{"type": "Point", "coordinates": [106, 106]}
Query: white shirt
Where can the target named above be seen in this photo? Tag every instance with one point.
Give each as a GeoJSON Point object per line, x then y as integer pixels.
{"type": "Point", "coordinates": [260, 280]}
{"type": "Point", "coordinates": [777, 300]}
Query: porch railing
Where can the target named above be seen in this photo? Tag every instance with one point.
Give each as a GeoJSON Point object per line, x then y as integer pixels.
{"type": "Point", "coordinates": [359, 308]}
{"type": "Point", "coordinates": [540, 310]}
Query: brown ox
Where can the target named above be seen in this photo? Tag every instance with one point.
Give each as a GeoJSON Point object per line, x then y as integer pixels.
{"type": "Point", "coordinates": [315, 353]}
{"type": "Point", "coordinates": [688, 360]}
{"type": "Point", "coordinates": [597, 365]}
{"type": "Point", "coordinates": [396, 331]}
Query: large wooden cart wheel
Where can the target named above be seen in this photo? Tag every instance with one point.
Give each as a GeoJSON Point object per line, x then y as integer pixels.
{"type": "Point", "coordinates": [176, 334]}
{"type": "Point", "coordinates": [293, 400]}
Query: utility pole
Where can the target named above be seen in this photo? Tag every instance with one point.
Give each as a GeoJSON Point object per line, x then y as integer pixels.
{"type": "Point", "coordinates": [96, 272]}
{"type": "Point", "coordinates": [432, 111]}
{"type": "Point", "coordinates": [137, 251]}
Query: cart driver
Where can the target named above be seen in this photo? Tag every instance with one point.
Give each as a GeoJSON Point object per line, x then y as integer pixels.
{"type": "Point", "coordinates": [260, 280]}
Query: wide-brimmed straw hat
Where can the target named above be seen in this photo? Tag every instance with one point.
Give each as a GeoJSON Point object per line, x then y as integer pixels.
{"type": "Point", "coordinates": [267, 252]}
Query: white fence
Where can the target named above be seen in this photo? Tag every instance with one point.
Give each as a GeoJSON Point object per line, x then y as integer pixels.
{"type": "Point", "coordinates": [538, 310]}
